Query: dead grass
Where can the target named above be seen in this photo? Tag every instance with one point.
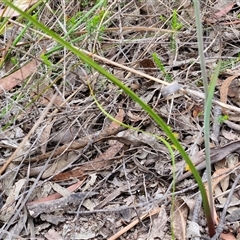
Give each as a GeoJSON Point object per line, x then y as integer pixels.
{"type": "Point", "coordinates": [122, 178]}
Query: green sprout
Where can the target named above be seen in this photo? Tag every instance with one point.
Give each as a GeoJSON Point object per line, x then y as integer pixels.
{"type": "Point", "coordinates": [176, 25]}
{"type": "Point", "coordinates": [223, 118]}
{"type": "Point", "coordinates": [160, 65]}
{"type": "Point", "coordinates": [93, 23]}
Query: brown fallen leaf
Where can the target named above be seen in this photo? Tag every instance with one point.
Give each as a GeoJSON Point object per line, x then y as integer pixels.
{"type": "Point", "coordinates": [16, 78]}
{"type": "Point", "coordinates": [225, 9]}
{"type": "Point", "coordinates": [159, 222]}
{"type": "Point", "coordinates": [227, 236]}
{"type": "Point", "coordinates": [148, 65]}
{"type": "Point", "coordinates": [99, 163]}
{"type": "Point", "coordinates": [54, 196]}
{"type": "Point", "coordinates": [221, 11]}
{"type": "Point", "coordinates": [224, 89]}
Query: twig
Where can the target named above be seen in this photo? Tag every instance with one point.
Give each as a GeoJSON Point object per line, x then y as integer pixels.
{"type": "Point", "coordinates": [58, 204]}
{"type": "Point", "coordinates": [80, 143]}
{"type": "Point", "coordinates": [6, 226]}
{"type": "Point", "coordinates": [135, 222]}
{"type": "Point", "coordinates": [232, 125]}
{"type": "Point", "coordinates": [187, 91]}
{"type": "Point", "coordinates": [26, 138]}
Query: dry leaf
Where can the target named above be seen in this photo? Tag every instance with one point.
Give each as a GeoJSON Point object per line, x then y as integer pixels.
{"type": "Point", "coordinates": [8, 208]}
{"type": "Point", "coordinates": [16, 78]}
{"type": "Point", "coordinates": [224, 89]}
{"type": "Point", "coordinates": [57, 195]}
{"type": "Point", "coordinates": [224, 10]}
{"type": "Point", "coordinates": [61, 190]}
{"type": "Point", "coordinates": [134, 223]}
{"type": "Point", "coordinates": [197, 110]}
{"type": "Point", "coordinates": [86, 235]}
{"type": "Point", "coordinates": [158, 225]}
{"type": "Point", "coordinates": [218, 193]}
{"type": "Point", "coordinates": [227, 236]}
{"type": "Point", "coordinates": [180, 219]}
{"type": "Point", "coordinates": [193, 230]}
{"type": "Point", "coordinates": [65, 135]}
{"type": "Point", "coordinates": [21, 4]}
{"type": "Point", "coordinates": [134, 117]}
{"type": "Point", "coordinates": [113, 195]}
{"type": "Point", "coordinates": [52, 235]}
{"type": "Point", "coordinates": [218, 176]}
{"type": "Point", "coordinates": [45, 136]}
{"type": "Point", "coordinates": [64, 160]}
{"type": "Point", "coordinates": [229, 135]}
{"type": "Point", "coordinates": [149, 67]}
{"type": "Point", "coordinates": [119, 117]}
{"type": "Point", "coordinates": [100, 162]}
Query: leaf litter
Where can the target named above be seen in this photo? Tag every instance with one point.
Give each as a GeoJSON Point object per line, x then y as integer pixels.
{"type": "Point", "coordinates": [69, 171]}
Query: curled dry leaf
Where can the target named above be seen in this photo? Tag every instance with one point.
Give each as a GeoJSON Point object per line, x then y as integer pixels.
{"type": "Point", "coordinates": [45, 136]}
{"type": "Point", "coordinates": [224, 89]}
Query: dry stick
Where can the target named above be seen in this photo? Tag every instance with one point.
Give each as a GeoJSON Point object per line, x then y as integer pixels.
{"type": "Point", "coordinates": [232, 125]}
{"type": "Point", "coordinates": [23, 202]}
{"type": "Point", "coordinates": [188, 91]}
{"type": "Point", "coordinates": [80, 143]}
{"type": "Point", "coordinates": [135, 222]}
{"type": "Point", "coordinates": [25, 139]}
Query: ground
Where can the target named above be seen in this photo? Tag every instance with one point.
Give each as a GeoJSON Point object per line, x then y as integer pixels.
{"type": "Point", "coordinates": [69, 170]}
